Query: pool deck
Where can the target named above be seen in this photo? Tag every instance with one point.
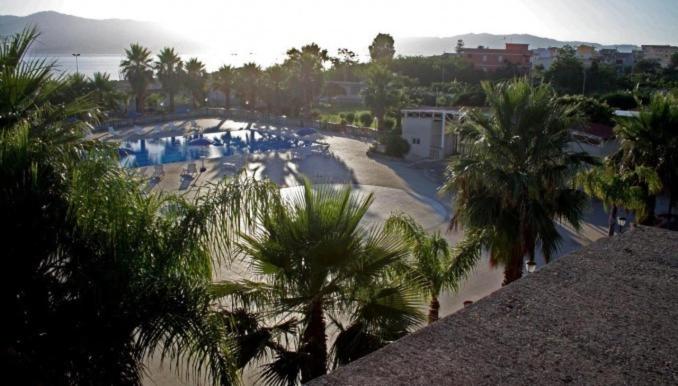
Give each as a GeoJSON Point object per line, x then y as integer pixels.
{"type": "Point", "coordinates": [398, 186]}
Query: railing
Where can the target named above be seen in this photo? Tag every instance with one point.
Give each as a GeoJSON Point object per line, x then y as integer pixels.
{"type": "Point", "coordinates": [239, 115]}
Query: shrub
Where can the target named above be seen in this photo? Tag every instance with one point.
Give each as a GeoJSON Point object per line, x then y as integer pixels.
{"type": "Point", "coordinates": [623, 101]}
{"type": "Point", "coordinates": [395, 145]}
{"type": "Point", "coordinates": [350, 117]}
{"type": "Point", "coordinates": [366, 119]}
{"type": "Point", "coordinates": [389, 123]}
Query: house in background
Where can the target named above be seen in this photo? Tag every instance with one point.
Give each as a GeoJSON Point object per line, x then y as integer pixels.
{"type": "Point", "coordinates": [492, 59]}
{"type": "Point", "coordinates": [426, 130]}
{"type": "Point", "coordinates": [659, 53]}
{"type": "Point", "coordinates": [586, 54]}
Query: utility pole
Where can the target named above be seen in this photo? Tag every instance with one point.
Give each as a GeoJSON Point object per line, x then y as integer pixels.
{"type": "Point", "coordinates": [77, 70]}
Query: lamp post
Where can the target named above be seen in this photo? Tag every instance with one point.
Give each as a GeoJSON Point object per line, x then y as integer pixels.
{"type": "Point", "coordinates": [77, 70]}
{"type": "Point", "coordinates": [531, 266]}
{"type": "Point", "coordinates": [621, 222]}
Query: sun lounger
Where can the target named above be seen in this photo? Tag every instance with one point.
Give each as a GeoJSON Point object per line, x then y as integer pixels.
{"type": "Point", "coordinates": [190, 171]}
{"type": "Point", "coordinates": [158, 172]}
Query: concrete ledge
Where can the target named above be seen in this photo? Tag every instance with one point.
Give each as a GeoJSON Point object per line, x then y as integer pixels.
{"type": "Point", "coordinates": [607, 314]}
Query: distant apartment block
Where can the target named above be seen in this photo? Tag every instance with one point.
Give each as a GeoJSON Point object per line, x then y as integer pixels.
{"type": "Point", "coordinates": [586, 54]}
{"type": "Point", "coordinates": [492, 59]}
{"type": "Point", "coordinates": [621, 61]}
{"type": "Point", "coordinates": [659, 53]}
{"type": "Point", "coordinates": [543, 57]}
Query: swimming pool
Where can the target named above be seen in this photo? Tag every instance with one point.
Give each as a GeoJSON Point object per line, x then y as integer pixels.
{"type": "Point", "coordinates": [153, 151]}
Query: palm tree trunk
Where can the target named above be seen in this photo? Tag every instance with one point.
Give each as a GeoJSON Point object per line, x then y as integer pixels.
{"type": "Point", "coordinates": [612, 221]}
{"type": "Point", "coordinates": [513, 270]}
{"type": "Point", "coordinates": [380, 121]}
{"type": "Point", "coordinates": [171, 101]}
{"type": "Point", "coordinates": [227, 98]}
{"type": "Point", "coordinates": [140, 103]}
{"type": "Point", "coordinates": [650, 203]}
{"type": "Point", "coordinates": [314, 344]}
{"type": "Point", "coordinates": [433, 310]}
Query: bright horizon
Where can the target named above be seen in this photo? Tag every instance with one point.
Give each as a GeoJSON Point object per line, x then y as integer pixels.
{"type": "Point", "coordinates": [240, 24]}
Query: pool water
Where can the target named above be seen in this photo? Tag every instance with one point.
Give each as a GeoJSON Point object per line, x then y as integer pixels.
{"type": "Point", "coordinates": [153, 151]}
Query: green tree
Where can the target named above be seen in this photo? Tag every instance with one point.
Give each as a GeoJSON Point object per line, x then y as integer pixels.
{"type": "Point", "coordinates": [619, 189]}
{"type": "Point", "coordinates": [273, 87]}
{"type": "Point", "coordinates": [306, 67]}
{"type": "Point", "coordinates": [381, 93]}
{"type": "Point", "coordinates": [459, 46]}
{"type": "Point", "coordinates": [566, 74]}
{"type": "Point", "coordinates": [382, 48]}
{"type": "Point", "coordinates": [344, 63]}
{"type": "Point", "coordinates": [111, 274]}
{"type": "Point", "coordinates": [314, 261]}
{"type": "Point", "coordinates": [248, 81]}
{"type": "Point", "coordinates": [430, 263]}
{"type": "Point", "coordinates": [169, 69]}
{"type": "Point", "coordinates": [196, 80]}
{"type": "Point", "coordinates": [651, 140]}
{"type": "Point", "coordinates": [105, 93]}
{"type": "Point", "coordinates": [515, 181]}
{"type": "Point", "coordinates": [137, 70]}
{"type": "Point", "coordinates": [224, 81]}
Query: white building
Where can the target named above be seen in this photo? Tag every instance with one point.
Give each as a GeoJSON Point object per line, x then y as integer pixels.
{"type": "Point", "coordinates": [543, 57]}
{"type": "Point", "coordinates": [427, 130]}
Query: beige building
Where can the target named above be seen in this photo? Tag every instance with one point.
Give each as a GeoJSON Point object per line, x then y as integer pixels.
{"type": "Point", "coordinates": [659, 53]}
{"type": "Point", "coordinates": [427, 130]}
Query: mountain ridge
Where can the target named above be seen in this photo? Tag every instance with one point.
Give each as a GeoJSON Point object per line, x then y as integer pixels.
{"type": "Point", "coordinates": [65, 34]}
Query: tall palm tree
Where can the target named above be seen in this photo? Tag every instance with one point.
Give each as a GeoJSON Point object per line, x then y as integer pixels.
{"type": "Point", "coordinates": [620, 189]}
{"type": "Point", "coordinates": [515, 181]}
{"type": "Point", "coordinates": [430, 264]}
{"type": "Point", "coordinates": [651, 140]}
{"type": "Point", "coordinates": [137, 70]}
{"type": "Point", "coordinates": [307, 66]}
{"type": "Point", "coordinates": [313, 261]}
{"type": "Point", "coordinates": [196, 78]}
{"type": "Point", "coordinates": [224, 80]}
{"type": "Point", "coordinates": [169, 69]}
{"type": "Point", "coordinates": [248, 82]}
{"type": "Point", "coordinates": [380, 94]}
{"type": "Point", "coordinates": [112, 274]}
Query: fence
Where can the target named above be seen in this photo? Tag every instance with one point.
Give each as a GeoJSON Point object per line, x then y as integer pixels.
{"type": "Point", "coordinates": [240, 115]}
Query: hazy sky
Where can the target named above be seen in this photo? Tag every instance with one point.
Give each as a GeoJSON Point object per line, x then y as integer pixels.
{"type": "Point", "coordinates": [351, 22]}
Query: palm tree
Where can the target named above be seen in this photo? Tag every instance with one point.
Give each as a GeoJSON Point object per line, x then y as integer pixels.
{"type": "Point", "coordinates": [169, 69]}
{"type": "Point", "coordinates": [137, 70]}
{"type": "Point", "coordinates": [196, 79]}
{"type": "Point", "coordinates": [430, 263]}
{"type": "Point", "coordinates": [112, 274]}
{"type": "Point", "coordinates": [651, 140]}
{"type": "Point", "coordinates": [515, 181]}
{"type": "Point", "coordinates": [272, 87]}
{"type": "Point", "coordinates": [380, 94]}
{"type": "Point", "coordinates": [104, 92]}
{"type": "Point", "coordinates": [313, 261]}
{"type": "Point", "coordinates": [249, 77]}
{"type": "Point", "coordinates": [307, 66]}
{"type": "Point", "coordinates": [620, 189]}
{"type": "Point", "coordinates": [224, 80]}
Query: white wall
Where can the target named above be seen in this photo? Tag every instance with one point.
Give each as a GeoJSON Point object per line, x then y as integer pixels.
{"type": "Point", "coordinates": [420, 129]}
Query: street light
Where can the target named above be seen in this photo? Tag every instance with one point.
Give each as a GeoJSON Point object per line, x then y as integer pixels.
{"type": "Point", "coordinates": [77, 70]}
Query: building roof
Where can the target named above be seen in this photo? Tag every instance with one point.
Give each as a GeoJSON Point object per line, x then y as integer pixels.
{"type": "Point", "coordinates": [601, 131]}
{"type": "Point", "coordinates": [603, 315]}
{"type": "Point", "coordinates": [426, 109]}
